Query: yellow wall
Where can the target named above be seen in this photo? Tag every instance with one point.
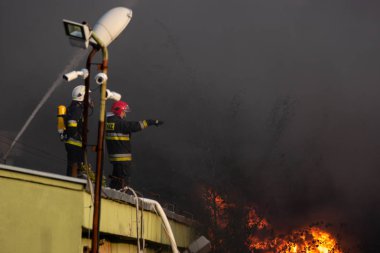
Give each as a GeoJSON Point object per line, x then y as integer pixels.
{"type": "Point", "coordinates": [39, 215]}
{"type": "Point", "coordinates": [46, 214]}
{"type": "Point", "coordinates": [120, 219]}
{"type": "Point", "coordinates": [107, 247]}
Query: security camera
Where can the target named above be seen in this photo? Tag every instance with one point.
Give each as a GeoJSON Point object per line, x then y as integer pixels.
{"type": "Point", "coordinates": [101, 78]}
{"type": "Point", "coordinates": [75, 74]}
{"type": "Point", "coordinates": [112, 95]}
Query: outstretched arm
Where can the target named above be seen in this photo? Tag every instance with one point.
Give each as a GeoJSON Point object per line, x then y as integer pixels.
{"type": "Point", "coordinates": [135, 126]}
{"type": "Point", "coordinates": [155, 122]}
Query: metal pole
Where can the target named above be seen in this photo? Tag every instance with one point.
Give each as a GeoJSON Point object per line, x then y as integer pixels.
{"type": "Point", "coordinates": [99, 149]}
{"type": "Point", "coordinates": [86, 104]}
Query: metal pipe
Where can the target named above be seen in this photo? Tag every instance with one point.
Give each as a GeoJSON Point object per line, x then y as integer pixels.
{"type": "Point", "coordinates": [142, 227]}
{"type": "Point", "coordinates": [86, 104]}
{"type": "Point", "coordinates": [125, 189]}
{"type": "Point", "coordinates": [99, 149]}
{"type": "Point", "coordinates": [165, 221]}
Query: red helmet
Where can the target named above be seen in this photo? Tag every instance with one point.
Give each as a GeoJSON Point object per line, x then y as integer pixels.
{"type": "Point", "coordinates": [118, 107]}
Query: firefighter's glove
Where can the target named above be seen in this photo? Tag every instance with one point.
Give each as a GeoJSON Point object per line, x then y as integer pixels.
{"type": "Point", "coordinates": [155, 122]}
{"type": "Point", "coordinates": [62, 137]}
{"type": "Point", "coordinates": [158, 122]}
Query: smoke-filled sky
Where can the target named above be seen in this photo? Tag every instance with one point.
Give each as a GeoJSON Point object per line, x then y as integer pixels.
{"type": "Point", "coordinates": [277, 98]}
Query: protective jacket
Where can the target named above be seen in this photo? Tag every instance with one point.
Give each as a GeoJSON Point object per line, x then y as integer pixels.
{"type": "Point", "coordinates": [73, 123]}
{"type": "Point", "coordinates": [118, 136]}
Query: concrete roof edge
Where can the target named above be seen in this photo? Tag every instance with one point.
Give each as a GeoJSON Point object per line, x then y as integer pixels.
{"type": "Point", "coordinates": [42, 174]}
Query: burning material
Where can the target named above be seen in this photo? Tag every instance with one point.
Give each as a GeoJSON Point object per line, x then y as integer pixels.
{"type": "Point", "coordinates": [256, 221]}
{"type": "Point", "coordinates": [308, 240]}
{"type": "Point", "coordinates": [217, 209]}
{"type": "Point", "coordinates": [230, 220]}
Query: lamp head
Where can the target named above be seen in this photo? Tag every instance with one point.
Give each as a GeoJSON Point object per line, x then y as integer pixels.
{"type": "Point", "coordinates": [111, 24]}
{"type": "Point", "coordinates": [79, 34]}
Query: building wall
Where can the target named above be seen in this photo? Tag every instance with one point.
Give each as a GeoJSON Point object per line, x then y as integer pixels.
{"type": "Point", "coordinates": [120, 219]}
{"type": "Point", "coordinates": [45, 213]}
{"type": "Point", "coordinates": [39, 215]}
{"type": "Point", "coordinates": [108, 247]}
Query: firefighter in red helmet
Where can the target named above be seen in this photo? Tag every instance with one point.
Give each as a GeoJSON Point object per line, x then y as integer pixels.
{"type": "Point", "coordinates": [118, 136]}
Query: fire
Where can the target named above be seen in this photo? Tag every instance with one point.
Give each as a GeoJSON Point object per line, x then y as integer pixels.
{"type": "Point", "coordinates": [307, 240]}
{"type": "Point", "coordinates": [326, 242]}
{"type": "Point", "coordinates": [255, 221]}
{"type": "Point", "coordinates": [217, 208]}
{"type": "Point", "coordinates": [259, 233]}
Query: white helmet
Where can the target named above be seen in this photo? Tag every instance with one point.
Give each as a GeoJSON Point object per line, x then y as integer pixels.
{"type": "Point", "coordinates": [78, 93]}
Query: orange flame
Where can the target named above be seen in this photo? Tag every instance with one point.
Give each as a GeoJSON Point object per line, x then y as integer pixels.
{"type": "Point", "coordinates": [217, 208]}
{"type": "Point", "coordinates": [260, 235]}
{"type": "Point", "coordinates": [255, 221]}
{"type": "Point", "coordinates": [308, 240]}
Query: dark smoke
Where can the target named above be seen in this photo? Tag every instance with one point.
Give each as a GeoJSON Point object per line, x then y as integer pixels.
{"type": "Point", "coordinates": [276, 100]}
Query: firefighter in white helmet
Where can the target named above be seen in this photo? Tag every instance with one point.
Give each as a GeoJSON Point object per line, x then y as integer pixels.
{"type": "Point", "coordinates": [73, 132]}
{"type": "Point", "coordinates": [118, 138]}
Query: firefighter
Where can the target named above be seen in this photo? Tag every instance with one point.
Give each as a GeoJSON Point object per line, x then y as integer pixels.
{"type": "Point", "coordinates": [118, 137]}
{"type": "Point", "coordinates": [73, 132]}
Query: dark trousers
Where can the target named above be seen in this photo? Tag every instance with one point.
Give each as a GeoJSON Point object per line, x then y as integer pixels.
{"type": "Point", "coordinates": [74, 159]}
{"type": "Point", "coordinates": [120, 175]}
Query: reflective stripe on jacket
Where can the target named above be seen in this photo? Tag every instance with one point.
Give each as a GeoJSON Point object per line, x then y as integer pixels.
{"type": "Point", "coordinates": [118, 137]}
{"type": "Point", "coordinates": [120, 157]}
{"type": "Point", "coordinates": [74, 142]}
{"type": "Point", "coordinates": [73, 124]}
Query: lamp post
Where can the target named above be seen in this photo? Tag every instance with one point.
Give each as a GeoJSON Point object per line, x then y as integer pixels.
{"type": "Point", "coordinates": [99, 150]}
{"type": "Point", "coordinates": [86, 104]}
{"type": "Point", "coordinates": [107, 29]}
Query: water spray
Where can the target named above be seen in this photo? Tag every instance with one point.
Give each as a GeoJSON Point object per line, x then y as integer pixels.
{"type": "Point", "coordinates": [78, 56]}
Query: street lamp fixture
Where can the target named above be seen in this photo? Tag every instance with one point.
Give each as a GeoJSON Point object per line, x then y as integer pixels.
{"type": "Point", "coordinates": [79, 34]}
{"type": "Point", "coordinates": [111, 24]}
{"type": "Point", "coordinates": [107, 28]}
